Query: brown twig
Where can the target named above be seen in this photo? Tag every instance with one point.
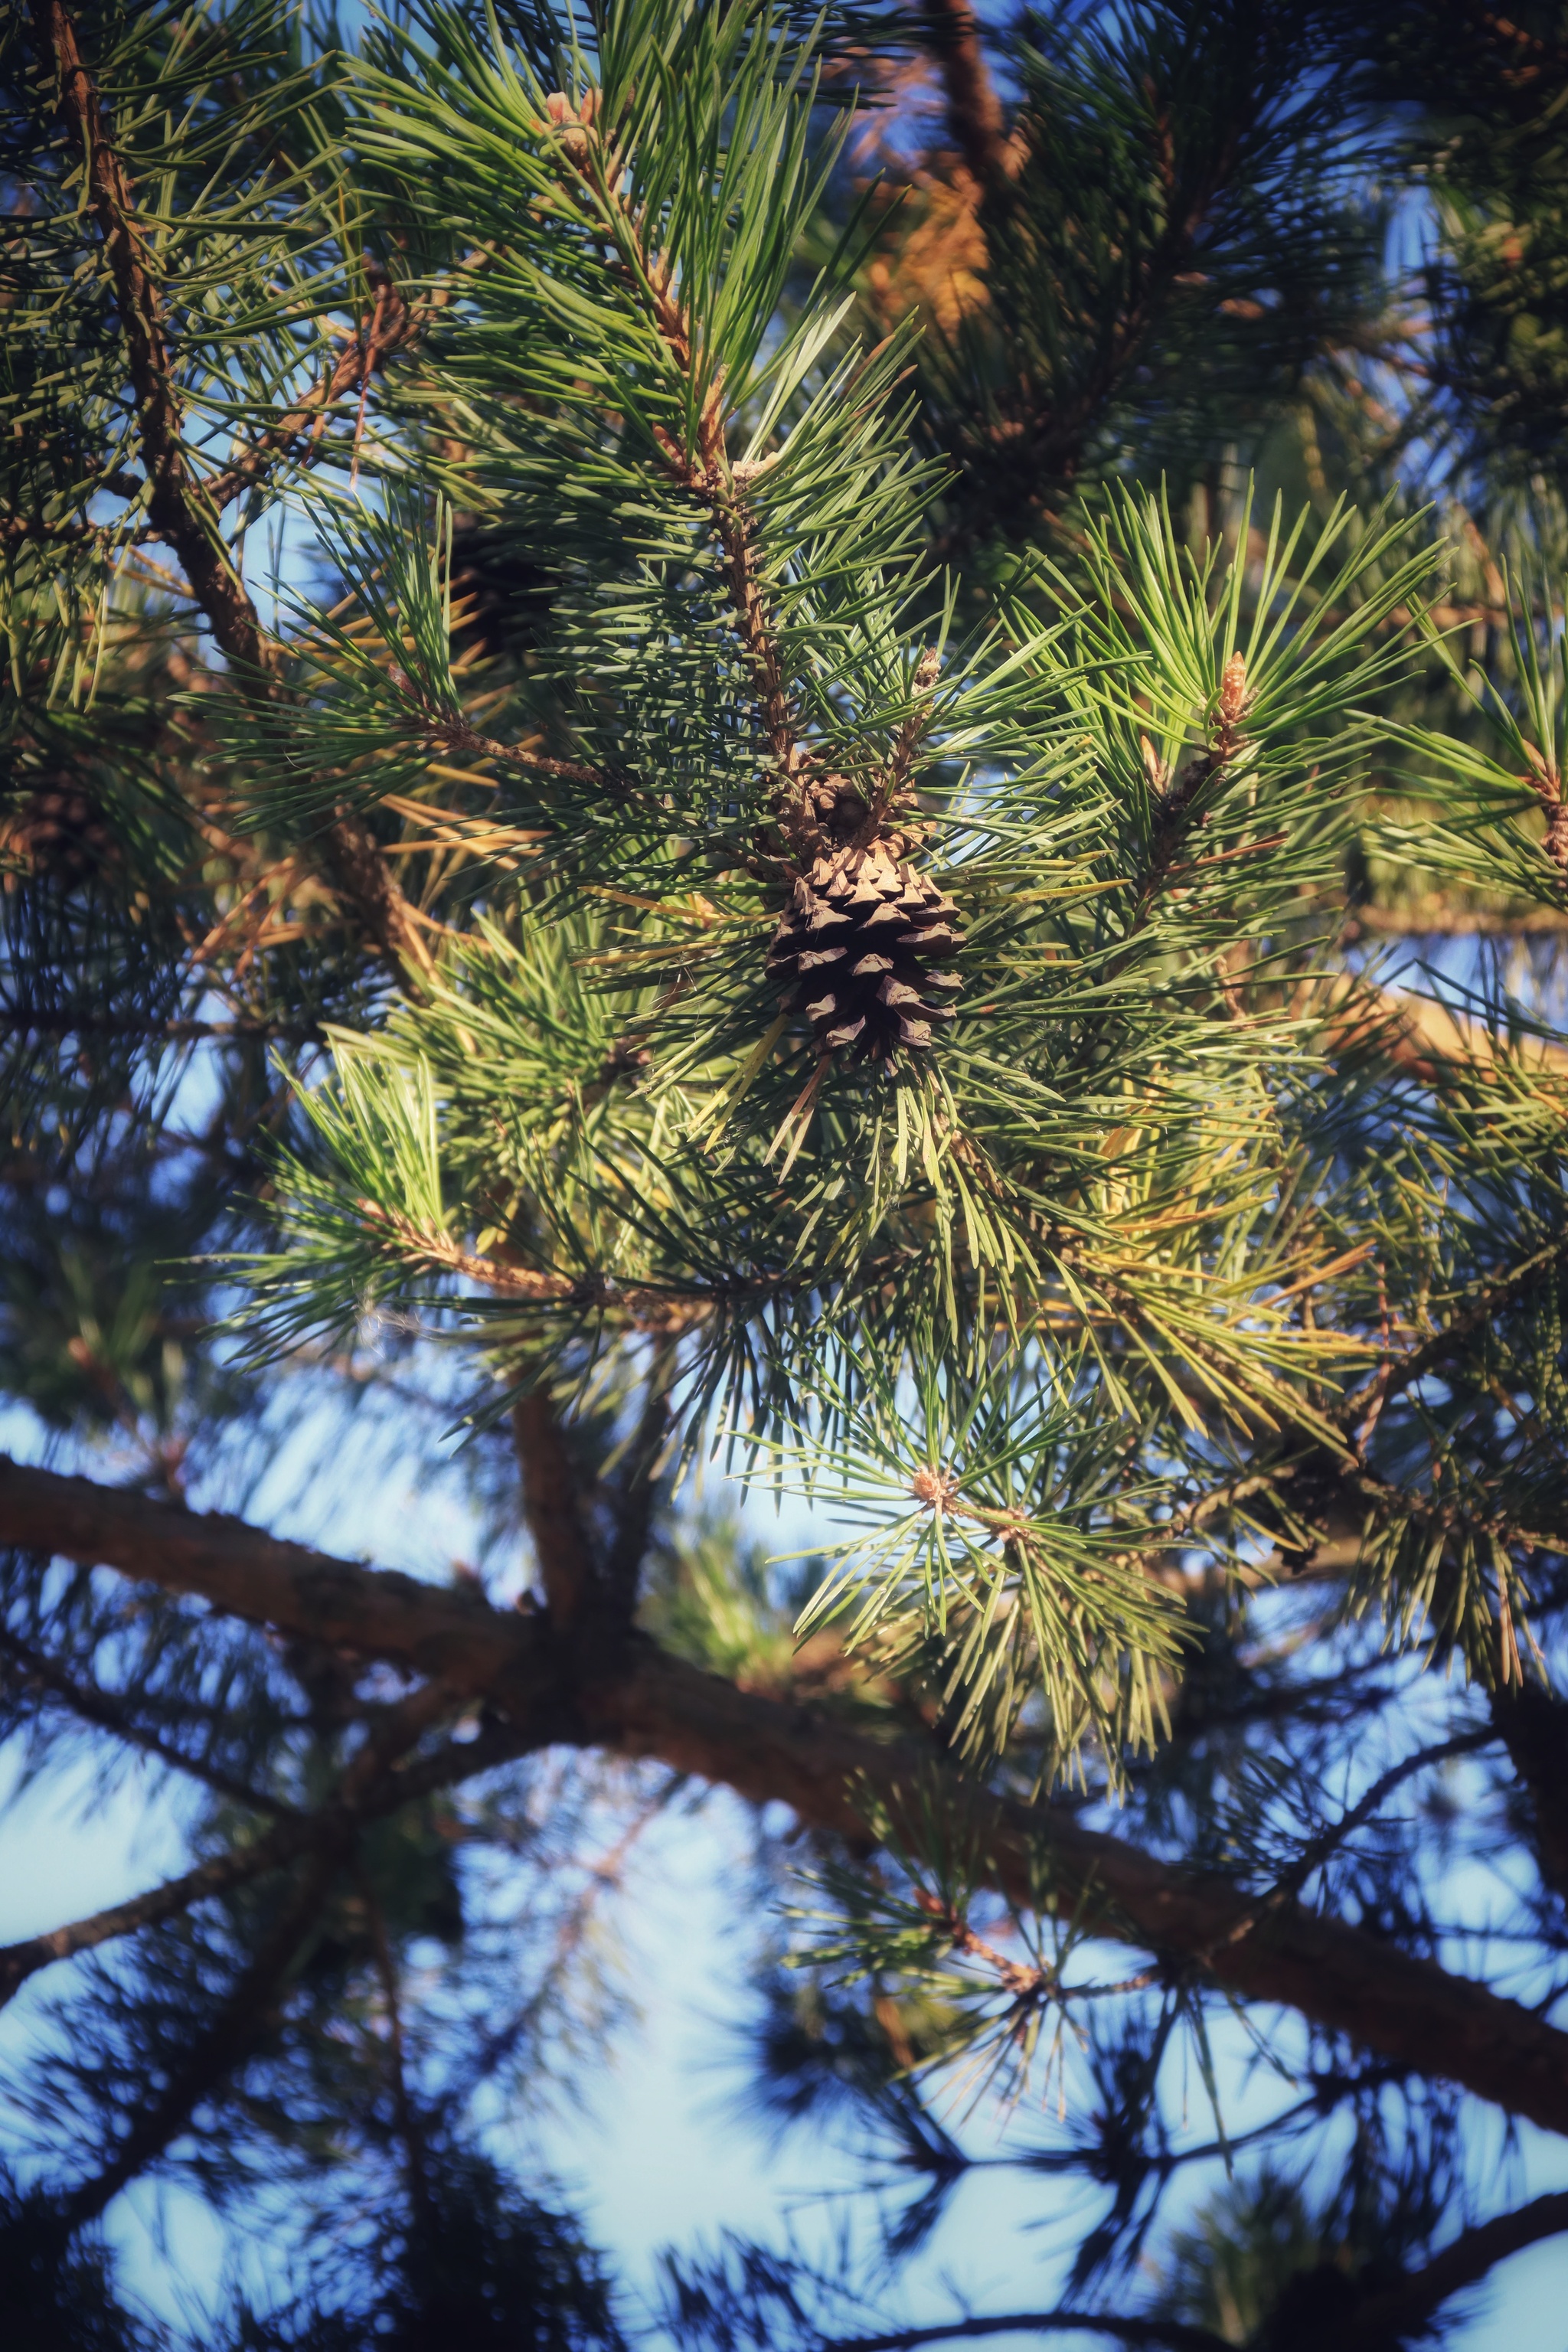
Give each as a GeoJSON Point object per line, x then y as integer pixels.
{"type": "Point", "coordinates": [1173, 2334]}
{"type": "Point", "coordinates": [395, 325]}
{"type": "Point", "coordinates": [49, 1021]}
{"type": "Point", "coordinates": [1394, 1377]}
{"type": "Point", "coordinates": [644, 1304]}
{"type": "Point", "coordinates": [1425, 922]}
{"type": "Point", "coordinates": [111, 1712]}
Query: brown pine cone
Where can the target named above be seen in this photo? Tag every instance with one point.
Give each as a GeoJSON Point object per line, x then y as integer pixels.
{"type": "Point", "coordinates": [853, 952]}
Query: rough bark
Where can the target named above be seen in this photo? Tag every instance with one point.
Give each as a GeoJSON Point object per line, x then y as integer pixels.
{"type": "Point", "coordinates": [645, 1703]}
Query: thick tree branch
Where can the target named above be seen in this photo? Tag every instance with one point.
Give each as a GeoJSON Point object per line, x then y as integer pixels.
{"type": "Point", "coordinates": [645, 1703]}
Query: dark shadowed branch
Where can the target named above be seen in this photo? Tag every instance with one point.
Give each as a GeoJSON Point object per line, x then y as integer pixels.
{"type": "Point", "coordinates": [640, 1701]}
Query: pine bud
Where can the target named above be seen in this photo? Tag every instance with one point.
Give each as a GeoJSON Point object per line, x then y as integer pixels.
{"type": "Point", "coordinates": [938, 1489]}
{"type": "Point", "coordinates": [571, 121]}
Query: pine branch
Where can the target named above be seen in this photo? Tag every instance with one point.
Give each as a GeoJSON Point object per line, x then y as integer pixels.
{"type": "Point", "coordinates": [17, 530]}
{"type": "Point", "coordinates": [178, 505]}
{"type": "Point", "coordinates": [641, 1304]}
{"type": "Point", "coordinates": [1394, 1378]}
{"type": "Point", "coordinates": [1403, 2309]}
{"type": "Point", "coordinates": [298, 435]}
{"type": "Point", "coordinates": [216, 1876]}
{"type": "Point", "coordinates": [645, 1703]}
{"type": "Point", "coordinates": [225, 2043]}
{"type": "Point", "coordinates": [49, 1021]}
{"type": "Point", "coordinates": [443, 1768]}
{"type": "Point", "coordinates": [1426, 922]}
{"type": "Point", "coordinates": [1411, 1034]}
{"type": "Point", "coordinates": [254, 2000]}
{"type": "Point", "coordinates": [111, 1712]}
{"type": "Point", "coordinates": [1175, 2334]}
{"type": "Point", "coordinates": [706, 472]}
{"type": "Point", "coordinates": [1320, 1849]}
{"type": "Point", "coordinates": [305, 421]}
{"type": "Point", "coordinates": [457, 735]}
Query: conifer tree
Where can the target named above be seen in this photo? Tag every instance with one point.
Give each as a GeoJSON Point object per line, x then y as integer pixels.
{"type": "Point", "coordinates": [718, 727]}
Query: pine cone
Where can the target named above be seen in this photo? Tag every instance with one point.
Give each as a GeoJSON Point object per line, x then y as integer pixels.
{"type": "Point", "coordinates": [854, 949]}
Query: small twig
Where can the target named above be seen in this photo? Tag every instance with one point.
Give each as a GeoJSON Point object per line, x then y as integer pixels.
{"type": "Point", "coordinates": [111, 1712]}
{"type": "Point", "coordinates": [1321, 1848]}
{"type": "Point", "coordinates": [1174, 2335]}
{"type": "Point", "coordinates": [243, 2016]}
